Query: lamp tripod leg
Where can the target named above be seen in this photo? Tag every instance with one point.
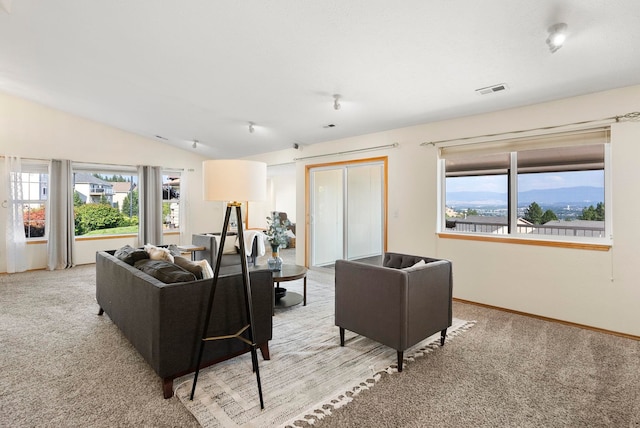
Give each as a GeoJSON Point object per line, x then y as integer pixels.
{"type": "Point", "coordinates": [248, 302]}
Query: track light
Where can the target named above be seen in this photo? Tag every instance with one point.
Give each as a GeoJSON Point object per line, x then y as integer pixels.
{"type": "Point", "coordinates": [557, 36]}
{"type": "Point", "coordinates": [251, 129]}
{"type": "Point", "coordinates": [195, 144]}
{"type": "Point", "coordinates": [336, 102]}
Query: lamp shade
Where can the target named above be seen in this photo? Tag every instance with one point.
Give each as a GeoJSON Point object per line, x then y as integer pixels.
{"type": "Point", "coordinates": [234, 180]}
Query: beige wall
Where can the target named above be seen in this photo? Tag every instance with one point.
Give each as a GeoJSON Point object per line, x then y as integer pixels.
{"type": "Point", "coordinates": [594, 288]}
{"type": "Point", "coordinates": [31, 130]}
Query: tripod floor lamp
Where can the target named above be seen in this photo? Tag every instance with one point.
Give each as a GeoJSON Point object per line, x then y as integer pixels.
{"type": "Point", "coordinates": [233, 181]}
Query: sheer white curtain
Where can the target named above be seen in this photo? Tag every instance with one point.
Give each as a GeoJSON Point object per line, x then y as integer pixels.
{"type": "Point", "coordinates": [150, 205]}
{"type": "Point", "coordinates": [16, 242]}
{"type": "Point", "coordinates": [61, 226]}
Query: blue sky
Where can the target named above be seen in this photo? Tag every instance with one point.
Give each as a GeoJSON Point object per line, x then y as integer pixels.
{"type": "Point", "coordinates": [547, 180]}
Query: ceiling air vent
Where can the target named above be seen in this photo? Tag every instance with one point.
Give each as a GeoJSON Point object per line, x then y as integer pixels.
{"type": "Point", "coordinates": [492, 89]}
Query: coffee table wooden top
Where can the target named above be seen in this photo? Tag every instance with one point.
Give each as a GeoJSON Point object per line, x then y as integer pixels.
{"type": "Point", "coordinates": [288, 273]}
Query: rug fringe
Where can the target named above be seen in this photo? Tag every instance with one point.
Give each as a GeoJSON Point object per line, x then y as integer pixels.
{"type": "Point", "coordinates": [325, 409]}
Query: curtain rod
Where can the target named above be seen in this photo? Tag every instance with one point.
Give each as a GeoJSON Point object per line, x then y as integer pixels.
{"type": "Point", "coordinates": [86, 165]}
{"type": "Point", "coordinates": [629, 116]}
{"type": "Point", "coordinates": [21, 157]}
{"type": "Point", "coordinates": [282, 163]}
{"type": "Point", "coordinates": [368, 149]}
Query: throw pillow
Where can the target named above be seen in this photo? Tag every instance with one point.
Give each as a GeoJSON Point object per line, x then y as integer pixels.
{"type": "Point", "coordinates": [415, 265]}
{"type": "Point", "coordinates": [164, 271]}
{"type": "Point", "coordinates": [188, 265]}
{"type": "Point", "coordinates": [158, 253]}
{"type": "Point", "coordinates": [173, 250]}
{"type": "Point", "coordinates": [230, 245]}
{"type": "Point", "coordinates": [207, 272]}
{"type": "Point", "coordinates": [130, 255]}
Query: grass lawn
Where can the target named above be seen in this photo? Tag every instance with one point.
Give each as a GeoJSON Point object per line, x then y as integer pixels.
{"type": "Point", "coordinates": [114, 231]}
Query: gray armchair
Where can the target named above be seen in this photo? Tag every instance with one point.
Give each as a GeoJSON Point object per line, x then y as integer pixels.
{"type": "Point", "coordinates": [395, 304]}
{"type": "Point", "coordinates": [210, 241]}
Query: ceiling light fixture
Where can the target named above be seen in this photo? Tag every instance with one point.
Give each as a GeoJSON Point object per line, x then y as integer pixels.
{"type": "Point", "coordinates": [251, 128]}
{"type": "Point", "coordinates": [557, 36]}
{"type": "Point", "coordinates": [195, 144]}
{"type": "Point", "coordinates": [336, 102]}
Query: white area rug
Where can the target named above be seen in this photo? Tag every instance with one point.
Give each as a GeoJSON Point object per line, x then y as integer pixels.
{"type": "Point", "coordinates": [309, 373]}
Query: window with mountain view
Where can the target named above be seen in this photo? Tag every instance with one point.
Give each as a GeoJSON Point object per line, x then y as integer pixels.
{"type": "Point", "coordinates": [551, 187]}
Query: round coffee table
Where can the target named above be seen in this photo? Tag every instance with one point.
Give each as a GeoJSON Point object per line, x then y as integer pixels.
{"type": "Point", "coordinates": [289, 273]}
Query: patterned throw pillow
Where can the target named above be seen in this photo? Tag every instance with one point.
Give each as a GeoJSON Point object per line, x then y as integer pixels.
{"type": "Point", "coordinates": [157, 253]}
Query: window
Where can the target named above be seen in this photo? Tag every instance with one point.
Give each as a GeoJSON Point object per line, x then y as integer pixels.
{"type": "Point", "coordinates": [171, 200]}
{"type": "Point", "coordinates": [105, 200]}
{"type": "Point", "coordinates": [551, 187]}
{"type": "Point", "coordinates": [35, 180]}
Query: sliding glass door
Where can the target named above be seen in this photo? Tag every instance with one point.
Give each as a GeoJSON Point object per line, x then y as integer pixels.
{"type": "Point", "coordinates": [347, 212]}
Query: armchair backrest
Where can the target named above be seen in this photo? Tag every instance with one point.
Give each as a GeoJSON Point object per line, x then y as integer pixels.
{"type": "Point", "coordinates": [401, 261]}
{"type": "Point", "coordinates": [211, 243]}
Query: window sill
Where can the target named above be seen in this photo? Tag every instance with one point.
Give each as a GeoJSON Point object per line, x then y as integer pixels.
{"type": "Point", "coordinates": [34, 241]}
{"type": "Point", "coordinates": [522, 241]}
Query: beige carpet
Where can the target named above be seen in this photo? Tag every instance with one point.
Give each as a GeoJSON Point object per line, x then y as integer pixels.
{"type": "Point", "coordinates": [62, 365]}
{"type": "Point", "coordinates": [309, 374]}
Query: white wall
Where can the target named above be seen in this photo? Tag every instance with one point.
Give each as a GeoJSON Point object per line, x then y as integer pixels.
{"type": "Point", "coordinates": [594, 288]}
{"type": "Point", "coordinates": [31, 130]}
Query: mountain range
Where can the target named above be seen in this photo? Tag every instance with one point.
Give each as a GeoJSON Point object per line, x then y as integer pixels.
{"type": "Point", "coordinates": [581, 195]}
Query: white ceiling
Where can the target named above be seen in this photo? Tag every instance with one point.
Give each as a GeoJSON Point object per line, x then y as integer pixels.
{"type": "Point", "coordinates": [204, 69]}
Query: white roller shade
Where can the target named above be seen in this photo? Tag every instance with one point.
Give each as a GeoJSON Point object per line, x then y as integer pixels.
{"type": "Point", "coordinates": [506, 145]}
{"type": "Point", "coordinates": [571, 151]}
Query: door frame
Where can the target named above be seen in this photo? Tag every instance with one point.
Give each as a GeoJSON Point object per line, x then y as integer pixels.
{"type": "Point", "coordinates": [307, 198]}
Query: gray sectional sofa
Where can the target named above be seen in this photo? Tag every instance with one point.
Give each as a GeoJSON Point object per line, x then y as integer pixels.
{"type": "Point", "coordinates": [163, 321]}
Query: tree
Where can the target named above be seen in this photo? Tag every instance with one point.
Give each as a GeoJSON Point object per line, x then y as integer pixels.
{"type": "Point", "coordinates": [600, 211]}
{"type": "Point", "coordinates": [471, 211]}
{"type": "Point", "coordinates": [548, 216]}
{"type": "Point", "coordinates": [592, 213]}
{"type": "Point", "coordinates": [77, 200]}
{"type": "Point", "coordinates": [33, 220]}
{"type": "Point", "coordinates": [533, 213]}
{"type": "Point", "coordinates": [130, 204]}
{"type": "Point", "coordinates": [90, 217]}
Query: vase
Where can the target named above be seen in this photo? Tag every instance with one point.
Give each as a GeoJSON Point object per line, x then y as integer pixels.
{"type": "Point", "coordinates": [275, 262]}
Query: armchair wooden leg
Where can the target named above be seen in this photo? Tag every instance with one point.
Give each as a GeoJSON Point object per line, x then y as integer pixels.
{"type": "Point", "coordinates": [341, 336]}
{"type": "Point", "coordinates": [443, 335]}
{"type": "Point", "coordinates": [101, 311]}
{"type": "Point", "coordinates": [400, 358]}
{"type": "Point", "coordinates": [264, 350]}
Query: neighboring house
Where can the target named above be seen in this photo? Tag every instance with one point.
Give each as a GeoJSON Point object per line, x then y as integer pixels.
{"type": "Point", "coordinates": [91, 189]}
{"type": "Point", "coordinates": [171, 196]}
{"type": "Point", "coordinates": [121, 190]}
